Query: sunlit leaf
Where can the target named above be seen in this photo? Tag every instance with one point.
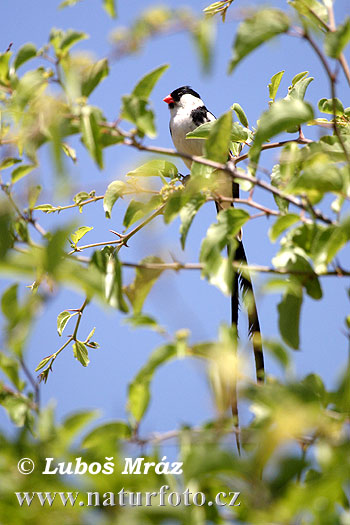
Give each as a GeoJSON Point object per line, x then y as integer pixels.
{"type": "Point", "coordinates": [110, 8]}
{"type": "Point", "coordinates": [79, 233]}
{"type": "Point", "coordinates": [274, 84]}
{"type": "Point", "coordinates": [26, 52]}
{"type": "Point", "coordinates": [114, 191]}
{"type": "Point", "coordinates": [80, 353]}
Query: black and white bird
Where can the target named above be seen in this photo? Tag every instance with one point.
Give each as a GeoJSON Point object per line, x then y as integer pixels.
{"type": "Point", "coordinates": [187, 112]}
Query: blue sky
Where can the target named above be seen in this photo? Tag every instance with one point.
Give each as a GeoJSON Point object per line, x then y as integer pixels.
{"type": "Point", "coordinates": [180, 392]}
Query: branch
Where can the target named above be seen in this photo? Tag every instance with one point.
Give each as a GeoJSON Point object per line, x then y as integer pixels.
{"type": "Point", "coordinates": [229, 168]}
{"type": "Point", "coordinates": [177, 266]}
{"type": "Point", "coordinates": [332, 79]}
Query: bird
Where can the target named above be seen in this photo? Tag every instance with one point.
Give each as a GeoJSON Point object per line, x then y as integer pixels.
{"type": "Point", "coordinates": [187, 112]}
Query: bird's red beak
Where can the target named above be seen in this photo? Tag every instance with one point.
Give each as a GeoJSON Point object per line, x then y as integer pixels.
{"type": "Point", "coordinates": [169, 99]}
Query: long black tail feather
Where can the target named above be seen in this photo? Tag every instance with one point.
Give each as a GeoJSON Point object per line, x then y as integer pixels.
{"type": "Point", "coordinates": [253, 319]}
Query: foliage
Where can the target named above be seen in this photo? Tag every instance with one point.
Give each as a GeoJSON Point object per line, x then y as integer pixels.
{"type": "Point", "coordinates": [295, 462]}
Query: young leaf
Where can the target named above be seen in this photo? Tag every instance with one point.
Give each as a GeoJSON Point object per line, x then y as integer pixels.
{"type": "Point", "coordinates": [110, 8]}
{"type": "Point", "coordinates": [298, 88]}
{"type": "Point", "coordinates": [46, 208]}
{"type": "Point", "coordinates": [144, 87]}
{"type": "Point", "coordinates": [155, 168]}
{"type": "Point", "coordinates": [25, 53]}
{"type": "Point", "coordinates": [145, 278]}
{"type": "Point", "coordinates": [113, 282]}
{"type": "Point", "coordinates": [240, 114]}
{"type": "Point", "coordinates": [91, 134]}
{"type": "Point", "coordinates": [113, 192]}
{"type": "Point", "coordinates": [80, 353]}
{"type": "Point", "coordinates": [336, 41]}
{"type": "Point", "coordinates": [274, 84]}
{"type": "Point", "coordinates": [43, 363]}
{"type": "Point", "coordinates": [136, 111]}
{"type": "Point", "coordinates": [79, 233]}
{"type": "Point", "coordinates": [257, 29]}
{"type": "Point", "coordinates": [329, 105]}
{"type": "Point", "coordinates": [62, 321]}
{"type": "Point", "coordinates": [94, 75]}
{"type": "Point", "coordinates": [69, 38]}
{"type": "Point", "coordinates": [7, 162]}
{"type": "Point", "coordinates": [21, 171]}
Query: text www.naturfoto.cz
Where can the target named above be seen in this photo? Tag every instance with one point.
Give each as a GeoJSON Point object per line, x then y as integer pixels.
{"type": "Point", "coordinates": [124, 498]}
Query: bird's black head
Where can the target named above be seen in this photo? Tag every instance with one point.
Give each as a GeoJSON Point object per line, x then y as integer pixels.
{"type": "Point", "coordinates": [183, 90]}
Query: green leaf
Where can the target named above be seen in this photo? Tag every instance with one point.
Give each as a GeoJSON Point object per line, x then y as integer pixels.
{"type": "Point", "coordinates": [54, 252]}
{"type": "Point", "coordinates": [217, 269]}
{"type": "Point", "coordinates": [137, 210]}
{"type": "Point", "coordinates": [9, 302]}
{"type": "Point", "coordinates": [240, 114]}
{"type": "Point", "coordinates": [139, 389]}
{"type": "Point", "coordinates": [144, 87]}
{"type": "Point", "coordinates": [68, 3]}
{"type": "Point", "coordinates": [281, 116]}
{"type": "Point", "coordinates": [21, 171]}
{"type": "Point", "coordinates": [326, 105]}
{"type": "Point", "coordinates": [69, 38]}
{"type": "Point", "coordinates": [145, 278]}
{"type": "Point", "coordinates": [274, 84]}
{"type": "Point", "coordinates": [289, 314]}
{"type": "Point", "coordinates": [6, 237]}
{"type": "Point", "coordinates": [7, 162]}
{"type": "Point", "coordinates": [74, 423]}
{"type": "Point", "coordinates": [299, 76]}
{"type": "Point", "coordinates": [257, 29]}
{"type": "Point", "coordinates": [113, 280]}
{"type": "Point", "coordinates": [204, 38]}
{"type": "Point", "coordinates": [319, 177]}
{"type": "Point", "coordinates": [107, 432]}
{"type": "Point", "coordinates": [33, 195]}
{"type": "Point", "coordinates": [4, 68]}
{"type": "Point", "coordinates": [155, 168]}
{"type": "Point", "coordinates": [328, 242]}
{"type": "Point", "coordinates": [93, 76]}
{"type": "Point", "coordinates": [220, 234]}
{"type": "Point", "coordinates": [62, 320]}
{"type": "Point", "coordinates": [43, 363]}
{"type": "Point", "coordinates": [238, 133]}
{"type": "Point", "coordinates": [46, 208]}
{"type": "Point", "coordinates": [10, 366]}
{"type": "Point", "coordinates": [187, 214]}
{"type": "Point", "coordinates": [298, 88]}
{"type": "Point", "coordinates": [25, 53]}
{"type": "Point", "coordinates": [110, 8]}
{"type": "Point", "coordinates": [91, 134]}
{"type": "Point", "coordinates": [79, 233]}
{"type": "Point", "coordinates": [217, 145]}
{"type": "Point", "coordinates": [80, 353]}
{"type": "Point", "coordinates": [313, 10]}
{"type": "Point", "coordinates": [135, 111]}
{"type": "Point", "coordinates": [282, 223]}
{"type": "Point", "coordinates": [294, 259]}
{"type": "Point", "coordinates": [114, 191]}
{"type": "Point", "coordinates": [336, 41]}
